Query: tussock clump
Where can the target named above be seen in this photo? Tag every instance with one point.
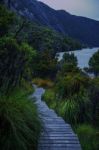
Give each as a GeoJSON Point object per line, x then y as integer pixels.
{"type": "Point", "coordinates": [19, 123]}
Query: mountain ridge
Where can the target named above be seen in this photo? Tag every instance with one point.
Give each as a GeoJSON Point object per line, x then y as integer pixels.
{"type": "Point", "coordinates": [84, 29]}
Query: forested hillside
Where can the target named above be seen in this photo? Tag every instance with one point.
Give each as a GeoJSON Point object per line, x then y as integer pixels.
{"type": "Point", "coordinates": [83, 29]}
{"type": "Point", "coordinates": [26, 30]}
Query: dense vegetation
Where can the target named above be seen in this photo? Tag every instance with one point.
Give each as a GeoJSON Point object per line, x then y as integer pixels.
{"type": "Point", "coordinates": [75, 97]}
{"type": "Point", "coordinates": [94, 63]}
{"type": "Point", "coordinates": [27, 51]}
{"type": "Point", "coordinates": [19, 121]}
{"type": "Point", "coordinates": [84, 29]}
{"type": "Point", "coordinates": [32, 32]}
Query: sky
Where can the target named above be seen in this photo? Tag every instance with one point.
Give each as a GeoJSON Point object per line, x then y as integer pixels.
{"type": "Point", "coordinates": [87, 8]}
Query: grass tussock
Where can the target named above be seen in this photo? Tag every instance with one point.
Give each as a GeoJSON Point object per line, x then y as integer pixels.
{"type": "Point", "coordinates": [46, 83]}
{"type": "Point", "coordinates": [74, 110]}
{"type": "Point", "coordinates": [71, 111]}
{"type": "Point", "coordinates": [89, 137]}
{"type": "Point", "coordinates": [50, 98]}
{"type": "Point", "coordinates": [19, 123]}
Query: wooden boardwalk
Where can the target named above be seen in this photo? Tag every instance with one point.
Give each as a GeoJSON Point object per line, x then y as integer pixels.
{"type": "Point", "coordinates": [56, 134]}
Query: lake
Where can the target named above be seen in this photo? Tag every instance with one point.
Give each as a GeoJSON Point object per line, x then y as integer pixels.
{"type": "Point", "coordinates": [83, 56]}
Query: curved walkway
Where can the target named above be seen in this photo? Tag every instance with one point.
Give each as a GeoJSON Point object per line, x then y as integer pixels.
{"type": "Point", "coordinates": [56, 134]}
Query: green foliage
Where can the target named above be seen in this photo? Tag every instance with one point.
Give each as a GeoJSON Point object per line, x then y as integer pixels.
{"type": "Point", "coordinates": [75, 109]}
{"type": "Point", "coordinates": [69, 85]}
{"type": "Point", "coordinates": [89, 137]}
{"type": "Point", "coordinates": [94, 63]}
{"type": "Point", "coordinates": [15, 62]}
{"type": "Point", "coordinates": [69, 58]}
{"type": "Point", "coordinates": [94, 97]}
{"type": "Point", "coordinates": [19, 123]}
{"type": "Point", "coordinates": [68, 64]}
{"type": "Point", "coordinates": [6, 19]}
{"type": "Point", "coordinates": [82, 106]}
{"type": "Point", "coordinates": [72, 44]}
{"type": "Point", "coordinates": [75, 97]}
{"type": "Point", "coordinates": [25, 30]}
{"type": "Point", "coordinates": [51, 40]}
{"type": "Point", "coordinates": [44, 65]}
{"type": "Point", "coordinates": [50, 98]}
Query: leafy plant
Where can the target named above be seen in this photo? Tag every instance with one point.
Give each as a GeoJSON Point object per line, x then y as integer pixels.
{"type": "Point", "coordinates": [94, 63]}
{"type": "Point", "coordinates": [15, 62]}
{"type": "Point", "coordinates": [88, 136]}
{"type": "Point", "coordinates": [6, 19]}
{"type": "Point", "coordinates": [19, 123]}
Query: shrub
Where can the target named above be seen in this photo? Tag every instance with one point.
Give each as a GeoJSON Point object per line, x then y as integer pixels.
{"type": "Point", "coordinates": [70, 84]}
{"type": "Point", "coordinates": [94, 97]}
{"type": "Point", "coordinates": [89, 137]}
{"type": "Point", "coordinates": [94, 63]}
{"type": "Point", "coordinates": [49, 98]}
{"type": "Point", "coordinates": [76, 109]}
{"type": "Point", "coordinates": [19, 123]}
{"type": "Point", "coordinates": [46, 83]}
{"type": "Point", "coordinates": [45, 65]}
{"type": "Point", "coordinates": [15, 62]}
{"type": "Point", "coordinates": [6, 19]}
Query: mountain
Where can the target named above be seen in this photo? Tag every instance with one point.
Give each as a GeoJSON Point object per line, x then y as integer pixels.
{"type": "Point", "coordinates": [83, 29]}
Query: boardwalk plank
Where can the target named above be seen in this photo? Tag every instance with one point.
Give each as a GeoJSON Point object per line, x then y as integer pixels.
{"type": "Point", "coordinates": [56, 134]}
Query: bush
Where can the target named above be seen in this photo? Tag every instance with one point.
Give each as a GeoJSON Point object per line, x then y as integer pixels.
{"type": "Point", "coordinates": [6, 19]}
{"type": "Point", "coordinates": [76, 109]}
{"type": "Point", "coordinates": [94, 97]}
{"type": "Point", "coordinates": [46, 83]}
{"type": "Point", "coordinates": [70, 84]}
{"type": "Point", "coordinates": [15, 61]}
{"type": "Point", "coordinates": [19, 123]}
{"type": "Point", "coordinates": [94, 63]}
{"type": "Point", "coordinates": [49, 98]}
{"type": "Point", "coordinates": [89, 137]}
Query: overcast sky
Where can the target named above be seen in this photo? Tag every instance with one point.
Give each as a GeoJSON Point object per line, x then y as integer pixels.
{"type": "Point", "coordinates": [87, 8]}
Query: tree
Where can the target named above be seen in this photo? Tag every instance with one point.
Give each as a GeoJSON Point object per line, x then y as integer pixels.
{"type": "Point", "coordinates": [15, 62]}
{"type": "Point", "coordinates": [7, 2]}
{"type": "Point", "coordinates": [44, 65]}
{"type": "Point", "coordinates": [69, 58]}
{"type": "Point", "coordinates": [72, 44]}
{"type": "Point", "coordinates": [6, 19]}
{"type": "Point", "coordinates": [71, 84]}
{"type": "Point", "coordinates": [68, 64]}
{"type": "Point", "coordinates": [94, 63]}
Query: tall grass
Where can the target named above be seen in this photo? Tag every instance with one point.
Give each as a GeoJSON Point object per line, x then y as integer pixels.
{"type": "Point", "coordinates": [19, 122]}
{"type": "Point", "coordinates": [76, 111]}
{"type": "Point", "coordinates": [89, 137]}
